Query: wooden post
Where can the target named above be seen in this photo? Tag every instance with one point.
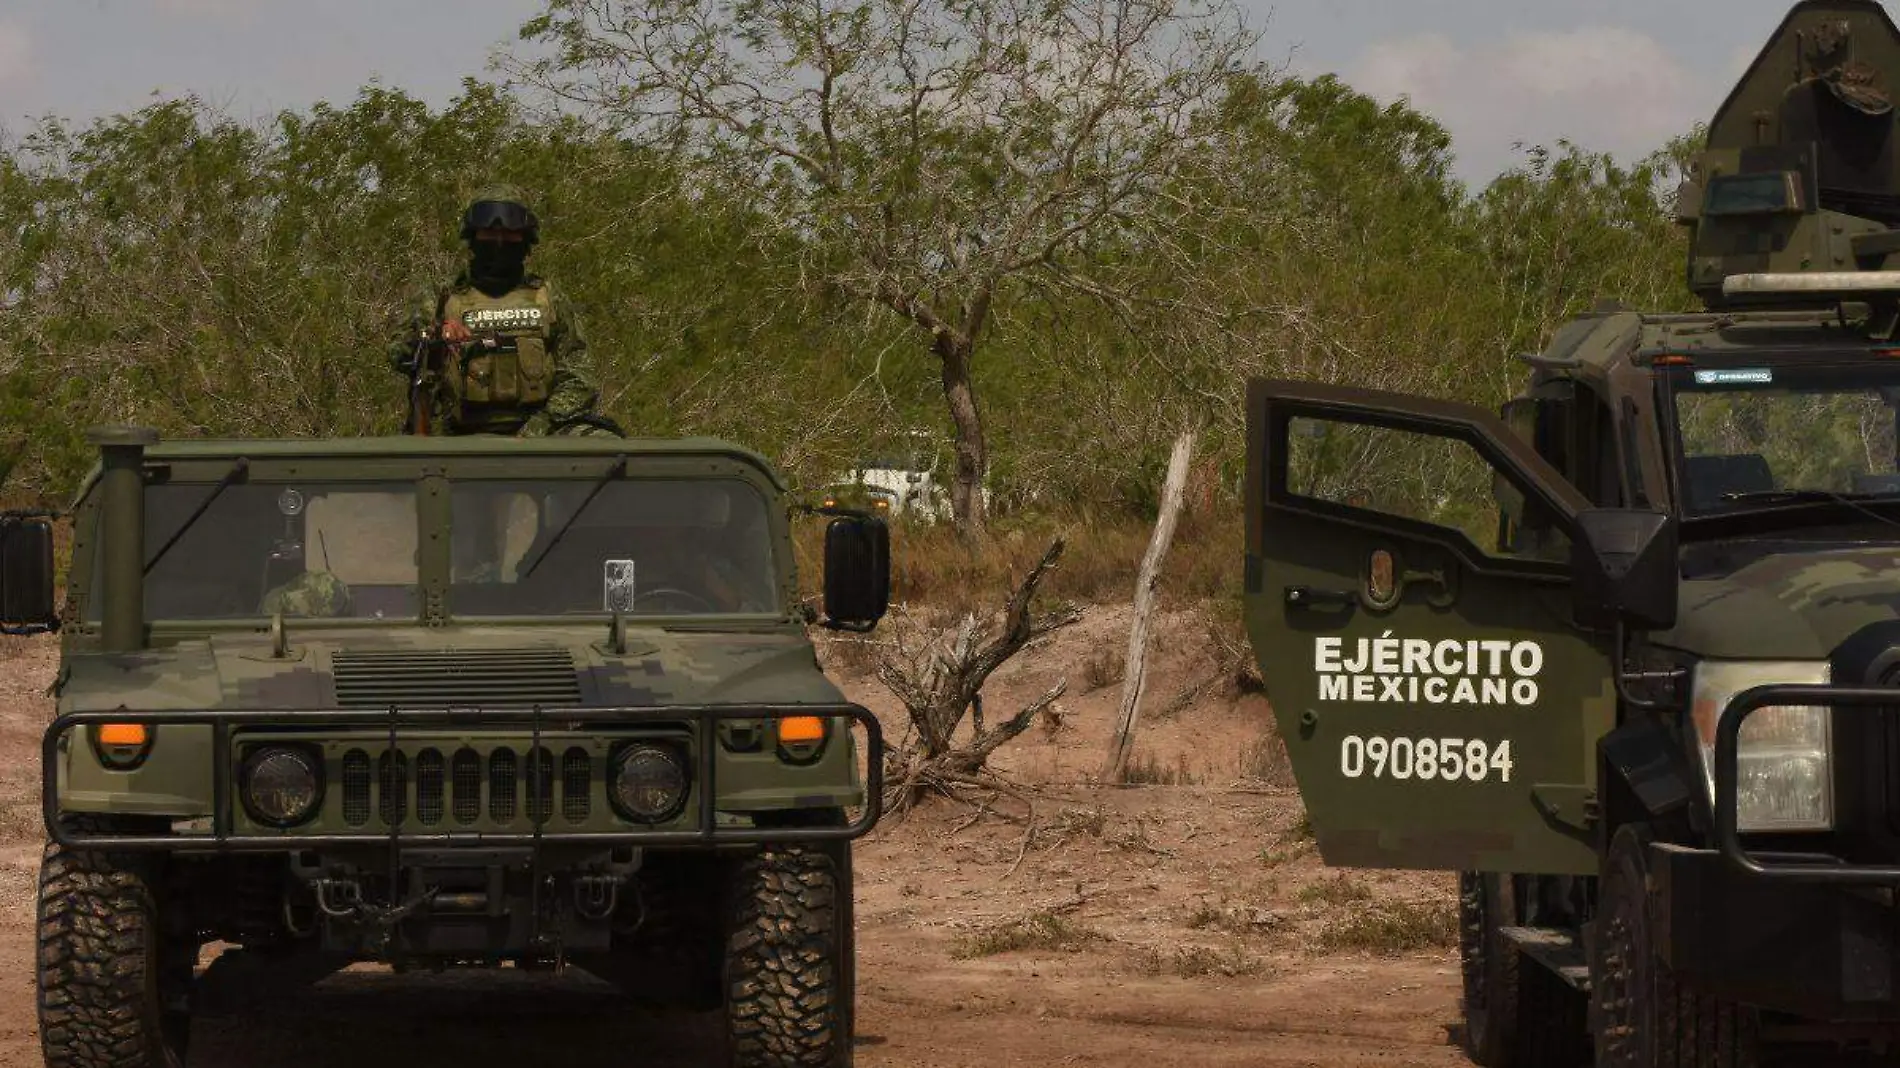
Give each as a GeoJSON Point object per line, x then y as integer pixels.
{"type": "Point", "coordinates": [1134, 677]}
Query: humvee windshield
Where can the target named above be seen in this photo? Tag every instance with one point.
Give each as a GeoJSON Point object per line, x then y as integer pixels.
{"type": "Point", "coordinates": [1774, 433]}
{"type": "Point", "coordinates": [641, 546]}
{"type": "Point", "coordinates": [254, 538]}
{"type": "Point", "coordinates": [349, 550]}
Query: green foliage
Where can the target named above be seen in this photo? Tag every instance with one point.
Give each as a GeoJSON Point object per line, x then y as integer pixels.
{"type": "Point", "coordinates": [208, 277]}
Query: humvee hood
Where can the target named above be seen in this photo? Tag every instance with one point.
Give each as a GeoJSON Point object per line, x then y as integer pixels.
{"type": "Point", "coordinates": [1788, 606]}
{"type": "Point", "coordinates": [566, 667]}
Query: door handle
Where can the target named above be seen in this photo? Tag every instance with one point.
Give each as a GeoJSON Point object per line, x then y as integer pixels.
{"type": "Point", "coordinates": [1308, 597]}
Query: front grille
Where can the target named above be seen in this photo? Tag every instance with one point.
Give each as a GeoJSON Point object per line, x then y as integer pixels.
{"type": "Point", "coordinates": [576, 773]}
{"type": "Point", "coordinates": [490, 678]}
{"type": "Point", "coordinates": [502, 798]}
{"type": "Point", "coordinates": [429, 787]}
{"type": "Point", "coordinates": [466, 774]}
{"type": "Point", "coordinates": [356, 788]}
{"type": "Point", "coordinates": [430, 790]}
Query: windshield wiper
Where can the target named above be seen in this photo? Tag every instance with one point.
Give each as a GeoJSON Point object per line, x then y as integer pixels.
{"type": "Point", "coordinates": [237, 469]}
{"type": "Point", "coordinates": [1791, 495]}
{"type": "Point", "coordinates": [1814, 496]}
{"type": "Point", "coordinates": [619, 467]}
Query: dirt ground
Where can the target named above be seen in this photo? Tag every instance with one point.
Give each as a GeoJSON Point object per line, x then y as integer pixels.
{"type": "Point", "coordinates": [1184, 922]}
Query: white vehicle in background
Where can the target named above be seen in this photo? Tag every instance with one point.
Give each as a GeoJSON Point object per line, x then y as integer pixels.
{"type": "Point", "coordinates": [901, 481]}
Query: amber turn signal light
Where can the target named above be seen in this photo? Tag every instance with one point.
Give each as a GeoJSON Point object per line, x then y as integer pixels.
{"type": "Point", "coordinates": [793, 730]}
{"type": "Point", "coordinates": [124, 735]}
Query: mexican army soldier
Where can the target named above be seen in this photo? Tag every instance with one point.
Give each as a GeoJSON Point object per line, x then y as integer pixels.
{"type": "Point", "coordinates": [500, 353]}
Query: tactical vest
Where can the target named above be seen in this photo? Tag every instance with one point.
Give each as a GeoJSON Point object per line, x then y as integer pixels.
{"type": "Point", "coordinates": [516, 371]}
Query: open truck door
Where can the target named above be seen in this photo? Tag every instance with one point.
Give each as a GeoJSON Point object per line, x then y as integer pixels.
{"type": "Point", "coordinates": [1409, 601]}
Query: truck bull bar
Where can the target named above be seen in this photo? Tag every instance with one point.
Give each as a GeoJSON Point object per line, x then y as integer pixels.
{"type": "Point", "coordinates": [1787, 867]}
{"type": "Point", "coordinates": [222, 723]}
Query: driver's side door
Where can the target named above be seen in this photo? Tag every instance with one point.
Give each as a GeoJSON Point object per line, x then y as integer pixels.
{"type": "Point", "coordinates": [1408, 599]}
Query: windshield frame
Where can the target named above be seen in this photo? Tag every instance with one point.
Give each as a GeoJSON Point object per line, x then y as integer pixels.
{"type": "Point", "coordinates": [1674, 377]}
{"type": "Point", "coordinates": [432, 476]}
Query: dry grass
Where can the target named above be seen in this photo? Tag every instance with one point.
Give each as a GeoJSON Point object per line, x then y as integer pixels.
{"type": "Point", "coordinates": [1239, 919]}
{"type": "Point", "coordinates": [1341, 889]}
{"type": "Point", "coordinates": [1266, 761]}
{"type": "Point", "coordinates": [931, 566]}
{"type": "Point", "coordinates": [1198, 961]}
{"type": "Point", "coordinates": [1107, 667]}
{"type": "Point", "coordinates": [1040, 931]}
{"type": "Point", "coordinates": [1391, 928]}
{"type": "Point", "coordinates": [1293, 843]}
{"type": "Point", "coordinates": [1146, 769]}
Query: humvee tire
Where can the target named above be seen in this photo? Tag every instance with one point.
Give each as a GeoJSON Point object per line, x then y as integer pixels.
{"type": "Point", "coordinates": [113, 988]}
{"type": "Point", "coordinates": [1517, 1014]}
{"type": "Point", "coordinates": [788, 959]}
{"type": "Point", "coordinates": [1641, 1015]}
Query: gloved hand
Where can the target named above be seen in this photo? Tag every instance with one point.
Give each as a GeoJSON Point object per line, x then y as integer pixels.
{"type": "Point", "coordinates": [456, 332]}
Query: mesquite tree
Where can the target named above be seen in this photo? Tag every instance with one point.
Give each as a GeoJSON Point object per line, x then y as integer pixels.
{"type": "Point", "coordinates": [931, 158]}
{"type": "Point", "coordinates": [938, 676]}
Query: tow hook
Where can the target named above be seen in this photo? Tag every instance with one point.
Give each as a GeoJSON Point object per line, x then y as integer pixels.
{"type": "Point", "coordinates": [339, 899]}
{"type": "Point", "coordinates": [342, 899]}
{"type": "Point", "coordinates": [596, 896]}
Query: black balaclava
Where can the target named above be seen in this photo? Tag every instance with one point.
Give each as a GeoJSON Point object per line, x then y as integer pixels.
{"type": "Point", "coordinates": [497, 266]}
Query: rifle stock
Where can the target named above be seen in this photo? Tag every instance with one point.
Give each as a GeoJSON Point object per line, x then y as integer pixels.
{"type": "Point", "coordinates": [419, 378]}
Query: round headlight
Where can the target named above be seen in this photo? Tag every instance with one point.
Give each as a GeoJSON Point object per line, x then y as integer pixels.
{"type": "Point", "coordinates": [649, 783]}
{"type": "Point", "coordinates": [281, 785]}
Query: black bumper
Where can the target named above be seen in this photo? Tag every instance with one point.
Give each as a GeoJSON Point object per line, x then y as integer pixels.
{"type": "Point", "coordinates": [1804, 933]}
{"type": "Point", "coordinates": [1820, 951]}
{"type": "Point", "coordinates": [705, 833]}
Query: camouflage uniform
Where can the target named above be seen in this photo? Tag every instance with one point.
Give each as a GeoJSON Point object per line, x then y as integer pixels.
{"type": "Point", "coordinates": [523, 373]}
{"type": "Point", "coordinates": [313, 594]}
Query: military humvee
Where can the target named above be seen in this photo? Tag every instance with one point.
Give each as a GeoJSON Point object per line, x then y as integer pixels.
{"type": "Point", "coordinates": [444, 702]}
{"type": "Point", "coordinates": [1623, 655]}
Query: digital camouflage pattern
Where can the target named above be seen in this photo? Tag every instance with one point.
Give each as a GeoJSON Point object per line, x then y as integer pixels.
{"type": "Point", "coordinates": [572, 396]}
{"type": "Point", "coordinates": [769, 663]}
{"type": "Point", "coordinates": [313, 594]}
{"type": "Point", "coordinates": [1793, 606]}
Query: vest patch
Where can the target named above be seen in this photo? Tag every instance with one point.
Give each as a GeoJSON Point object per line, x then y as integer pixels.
{"type": "Point", "coordinates": [501, 318]}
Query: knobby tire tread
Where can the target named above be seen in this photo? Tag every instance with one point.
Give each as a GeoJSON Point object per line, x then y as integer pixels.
{"type": "Point", "coordinates": [97, 997]}
{"type": "Point", "coordinates": [784, 961]}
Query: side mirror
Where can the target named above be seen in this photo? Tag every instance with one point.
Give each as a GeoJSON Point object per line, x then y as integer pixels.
{"type": "Point", "coordinates": [1623, 569]}
{"type": "Point", "coordinates": [26, 575]}
{"type": "Point", "coordinates": [857, 572]}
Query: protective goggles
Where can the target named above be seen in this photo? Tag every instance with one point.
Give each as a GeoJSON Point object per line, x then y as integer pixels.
{"type": "Point", "coordinates": [498, 215]}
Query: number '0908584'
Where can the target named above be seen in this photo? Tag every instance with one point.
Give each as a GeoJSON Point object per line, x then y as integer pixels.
{"type": "Point", "coordinates": [1443, 759]}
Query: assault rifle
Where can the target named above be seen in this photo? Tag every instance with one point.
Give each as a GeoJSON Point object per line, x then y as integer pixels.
{"type": "Point", "coordinates": [425, 369]}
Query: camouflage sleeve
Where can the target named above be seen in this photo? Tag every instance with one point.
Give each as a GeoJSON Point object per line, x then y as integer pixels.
{"type": "Point", "coordinates": [573, 393]}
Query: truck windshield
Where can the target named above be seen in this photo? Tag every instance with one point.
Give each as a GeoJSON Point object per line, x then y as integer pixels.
{"type": "Point", "coordinates": [642, 546]}
{"type": "Point", "coordinates": [1754, 436]}
{"type": "Point", "coordinates": [302, 549]}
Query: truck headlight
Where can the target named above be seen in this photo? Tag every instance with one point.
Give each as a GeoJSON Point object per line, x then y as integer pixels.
{"type": "Point", "coordinates": [282, 785]}
{"type": "Point", "coordinates": [1784, 760]}
{"type": "Point", "coordinates": [649, 783]}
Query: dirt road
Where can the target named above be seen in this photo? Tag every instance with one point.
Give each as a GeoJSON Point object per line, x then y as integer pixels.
{"type": "Point", "coordinates": [1161, 925]}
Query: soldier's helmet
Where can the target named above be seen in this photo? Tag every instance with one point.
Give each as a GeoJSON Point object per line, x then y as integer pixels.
{"type": "Point", "coordinates": [500, 207]}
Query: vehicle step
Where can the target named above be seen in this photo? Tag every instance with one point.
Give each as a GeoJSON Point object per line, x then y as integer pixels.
{"type": "Point", "coordinates": [1555, 949]}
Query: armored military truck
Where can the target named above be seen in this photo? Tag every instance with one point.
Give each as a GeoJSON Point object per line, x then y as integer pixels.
{"type": "Point", "coordinates": [1623, 654]}
{"type": "Point", "coordinates": [442, 703]}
